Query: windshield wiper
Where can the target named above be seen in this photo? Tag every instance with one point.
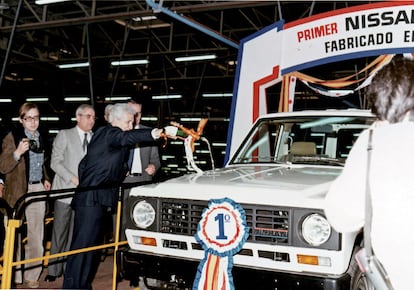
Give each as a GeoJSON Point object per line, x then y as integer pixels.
{"type": "Point", "coordinates": [325, 160]}
{"type": "Point", "coordinates": [258, 159]}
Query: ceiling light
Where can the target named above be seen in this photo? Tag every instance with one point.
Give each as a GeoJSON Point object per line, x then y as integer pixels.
{"type": "Point", "coordinates": [117, 98]}
{"type": "Point", "coordinates": [5, 100]}
{"type": "Point", "coordinates": [165, 97]}
{"type": "Point", "coordinates": [217, 95]}
{"type": "Point", "coordinates": [15, 78]}
{"type": "Point", "coordinates": [47, 119]}
{"type": "Point", "coordinates": [186, 119]}
{"type": "Point", "coordinates": [166, 157]}
{"type": "Point", "coordinates": [218, 119]}
{"type": "Point", "coordinates": [76, 99]}
{"type": "Point", "coordinates": [44, 2]}
{"type": "Point", "coordinates": [195, 57]}
{"type": "Point", "coordinates": [73, 65]}
{"type": "Point", "coordinates": [177, 143]}
{"type": "Point", "coordinates": [65, 51]}
{"type": "Point", "coordinates": [149, 118]}
{"type": "Point", "coordinates": [144, 18]}
{"type": "Point", "coordinates": [37, 99]}
{"type": "Point", "coordinates": [129, 62]}
{"type": "Point", "coordinates": [52, 119]}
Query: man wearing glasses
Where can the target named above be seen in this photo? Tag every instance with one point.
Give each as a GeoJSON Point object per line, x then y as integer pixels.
{"type": "Point", "coordinates": [22, 161]}
{"type": "Point", "coordinates": [69, 147]}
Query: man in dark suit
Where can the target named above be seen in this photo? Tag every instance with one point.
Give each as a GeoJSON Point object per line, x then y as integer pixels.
{"type": "Point", "coordinates": [143, 163]}
{"type": "Point", "coordinates": [101, 172]}
{"type": "Point", "coordinates": [69, 147]}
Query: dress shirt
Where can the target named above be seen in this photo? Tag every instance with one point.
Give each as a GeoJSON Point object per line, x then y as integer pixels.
{"type": "Point", "coordinates": [136, 162]}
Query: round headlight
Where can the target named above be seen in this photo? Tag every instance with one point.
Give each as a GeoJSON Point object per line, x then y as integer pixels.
{"type": "Point", "coordinates": [143, 214]}
{"type": "Point", "coordinates": [315, 229]}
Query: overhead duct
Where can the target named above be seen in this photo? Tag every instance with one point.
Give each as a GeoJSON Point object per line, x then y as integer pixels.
{"type": "Point", "coordinates": [158, 8]}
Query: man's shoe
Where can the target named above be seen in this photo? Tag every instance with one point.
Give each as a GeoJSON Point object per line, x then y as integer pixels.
{"type": "Point", "coordinates": [32, 284]}
{"type": "Point", "coordinates": [50, 278]}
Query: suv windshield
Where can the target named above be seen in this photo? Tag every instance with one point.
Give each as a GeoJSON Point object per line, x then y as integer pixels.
{"type": "Point", "coordinates": [323, 140]}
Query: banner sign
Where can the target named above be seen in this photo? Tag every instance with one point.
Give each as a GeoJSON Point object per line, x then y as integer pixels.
{"type": "Point", "coordinates": [264, 57]}
{"type": "Point", "coordinates": [359, 31]}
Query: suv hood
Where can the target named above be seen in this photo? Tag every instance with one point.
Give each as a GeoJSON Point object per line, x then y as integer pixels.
{"type": "Point", "coordinates": [290, 185]}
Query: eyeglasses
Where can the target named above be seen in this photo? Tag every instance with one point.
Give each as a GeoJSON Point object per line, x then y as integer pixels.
{"type": "Point", "coordinates": [88, 116]}
{"type": "Point", "coordinates": [31, 119]}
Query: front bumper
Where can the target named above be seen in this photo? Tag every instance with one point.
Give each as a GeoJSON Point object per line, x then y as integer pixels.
{"type": "Point", "coordinates": [133, 265]}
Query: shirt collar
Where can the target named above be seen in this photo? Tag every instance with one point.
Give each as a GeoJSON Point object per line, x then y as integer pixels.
{"type": "Point", "coordinates": [28, 134]}
{"type": "Point", "coordinates": [81, 132]}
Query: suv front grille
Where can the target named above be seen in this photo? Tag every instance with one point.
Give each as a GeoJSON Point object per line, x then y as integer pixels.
{"type": "Point", "coordinates": [266, 224]}
{"type": "Point", "coordinates": [180, 217]}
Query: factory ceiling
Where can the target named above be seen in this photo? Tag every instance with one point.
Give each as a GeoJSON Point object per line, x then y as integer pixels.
{"type": "Point", "coordinates": [35, 39]}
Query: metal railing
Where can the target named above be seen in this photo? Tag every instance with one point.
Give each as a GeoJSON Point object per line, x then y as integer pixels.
{"type": "Point", "coordinates": [15, 221]}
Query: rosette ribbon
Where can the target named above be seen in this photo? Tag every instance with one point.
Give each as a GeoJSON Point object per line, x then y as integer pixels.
{"type": "Point", "coordinates": [222, 232]}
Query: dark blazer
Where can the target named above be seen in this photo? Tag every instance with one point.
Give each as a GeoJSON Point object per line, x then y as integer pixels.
{"type": "Point", "coordinates": [105, 165]}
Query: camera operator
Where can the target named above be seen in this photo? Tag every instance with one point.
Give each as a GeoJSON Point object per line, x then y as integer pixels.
{"type": "Point", "coordinates": [23, 162]}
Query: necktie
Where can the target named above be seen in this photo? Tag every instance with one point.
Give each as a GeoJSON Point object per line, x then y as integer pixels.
{"type": "Point", "coordinates": [85, 142]}
{"type": "Point", "coordinates": [136, 162]}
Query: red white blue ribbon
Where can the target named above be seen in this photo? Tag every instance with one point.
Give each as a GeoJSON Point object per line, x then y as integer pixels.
{"type": "Point", "coordinates": [222, 232]}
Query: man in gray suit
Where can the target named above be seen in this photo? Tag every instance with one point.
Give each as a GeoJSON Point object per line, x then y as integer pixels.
{"type": "Point", "coordinates": [69, 147]}
{"type": "Point", "coordinates": [144, 161]}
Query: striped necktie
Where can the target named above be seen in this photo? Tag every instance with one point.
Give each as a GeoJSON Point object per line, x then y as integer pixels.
{"type": "Point", "coordinates": [85, 142]}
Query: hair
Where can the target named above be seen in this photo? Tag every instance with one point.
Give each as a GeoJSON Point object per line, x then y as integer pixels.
{"type": "Point", "coordinates": [82, 109]}
{"type": "Point", "coordinates": [108, 109]}
{"type": "Point", "coordinates": [25, 108]}
{"type": "Point", "coordinates": [118, 111]}
{"type": "Point", "coordinates": [133, 102]}
{"type": "Point", "coordinates": [391, 92]}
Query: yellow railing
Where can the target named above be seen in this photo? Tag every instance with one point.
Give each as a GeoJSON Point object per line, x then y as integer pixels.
{"type": "Point", "coordinates": [8, 254]}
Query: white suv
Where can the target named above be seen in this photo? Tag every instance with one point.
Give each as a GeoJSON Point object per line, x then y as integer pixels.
{"type": "Point", "coordinates": [279, 176]}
